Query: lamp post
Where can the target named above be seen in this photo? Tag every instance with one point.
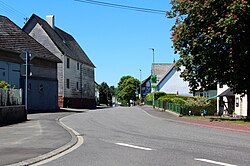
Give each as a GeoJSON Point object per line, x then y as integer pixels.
{"type": "Point", "coordinates": [152, 74]}
{"type": "Point", "coordinates": [140, 87]}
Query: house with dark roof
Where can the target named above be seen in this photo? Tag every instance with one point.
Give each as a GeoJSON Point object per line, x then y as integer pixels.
{"type": "Point", "coordinates": [42, 84]}
{"type": "Point", "coordinates": [76, 74]}
{"type": "Point", "coordinates": [146, 87]}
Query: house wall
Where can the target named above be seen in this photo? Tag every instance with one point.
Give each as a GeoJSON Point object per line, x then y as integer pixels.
{"type": "Point", "coordinates": [88, 85]}
{"type": "Point", "coordinates": [173, 83]}
{"type": "Point", "coordinates": [42, 86]}
{"type": "Point", "coordinates": [42, 94]}
{"type": "Point", "coordinates": [73, 75]}
{"type": "Point", "coordinates": [36, 31]}
{"type": "Point", "coordinates": [43, 68]}
{"type": "Point", "coordinates": [84, 77]}
{"type": "Point", "coordinates": [240, 105]}
{"type": "Point", "coordinates": [208, 94]}
{"type": "Point", "coordinates": [10, 72]}
{"type": "Point", "coordinates": [84, 96]}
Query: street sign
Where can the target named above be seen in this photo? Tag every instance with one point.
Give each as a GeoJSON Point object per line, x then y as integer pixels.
{"type": "Point", "coordinates": [153, 78]}
{"type": "Point", "coordinates": [23, 56]}
{"type": "Point", "coordinates": [23, 70]}
{"type": "Point", "coordinates": [153, 86]}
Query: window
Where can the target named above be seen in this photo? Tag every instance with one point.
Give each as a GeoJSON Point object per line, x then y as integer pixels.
{"type": "Point", "coordinates": [68, 63]}
{"type": "Point", "coordinates": [77, 86]}
{"type": "Point", "coordinates": [67, 81]}
{"type": "Point", "coordinates": [77, 66]}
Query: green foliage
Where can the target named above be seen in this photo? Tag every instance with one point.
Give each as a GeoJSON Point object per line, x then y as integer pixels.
{"type": "Point", "coordinates": [104, 93]}
{"type": "Point", "coordinates": [153, 78]}
{"type": "Point", "coordinates": [178, 100]}
{"type": "Point", "coordinates": [212, 38]}
{"type": "Point", "coordinates": [156, 95]}
{"type": "Point", "coordinates": [198, 101]}
{"type": "Point", "coordinates": [127, 87]}
{"type": "Point", "coordinates": [197, 104]}
{"type": "Point", "coordinates": [4, 84]}
{"type": "Point", "coordinates": [188, 103]}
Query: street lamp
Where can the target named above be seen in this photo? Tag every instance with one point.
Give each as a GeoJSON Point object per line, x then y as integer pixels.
{"type": "Point", "coordinates": [140, 86]}
{"type": "Point", "coordinates": [153, 54]}
{"type": "Point", "coordinates": [152, 74]}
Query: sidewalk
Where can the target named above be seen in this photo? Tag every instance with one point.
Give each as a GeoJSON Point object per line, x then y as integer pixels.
{"type": "Point", "coordinates": [38, 136]}
{"type": "Point", "coordinates": [220, 125]}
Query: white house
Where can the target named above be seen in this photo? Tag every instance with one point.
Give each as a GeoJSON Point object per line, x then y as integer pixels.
{"type": "Point", "coordinates": [229, 103]}
{"type": "Point", "coordinates": [172, 83]}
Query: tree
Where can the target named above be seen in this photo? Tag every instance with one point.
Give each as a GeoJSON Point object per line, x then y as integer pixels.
{"type": "Point", "coordinates": [104, 93]}
{"type": "Point", "coordinates": [113, 91]}
{"type": "Point", "coordinates": [212, 38]}
{"type": "Point", "coordinates": [127, 88]}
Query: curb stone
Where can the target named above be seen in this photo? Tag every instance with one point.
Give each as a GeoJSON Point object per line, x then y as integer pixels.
{"type": "Point", "coordinates": [55, 152]}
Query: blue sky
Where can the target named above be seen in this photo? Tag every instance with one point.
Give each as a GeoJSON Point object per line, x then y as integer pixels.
{"type": "Point", "coordinates": [116, 40]}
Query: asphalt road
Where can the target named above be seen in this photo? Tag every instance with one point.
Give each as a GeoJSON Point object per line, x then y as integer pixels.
{"type": "Point", "coordinates": [132, 137]}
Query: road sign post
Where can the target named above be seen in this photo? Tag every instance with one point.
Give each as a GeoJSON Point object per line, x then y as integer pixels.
{"type": "Point", "coordinates": [27, 57]}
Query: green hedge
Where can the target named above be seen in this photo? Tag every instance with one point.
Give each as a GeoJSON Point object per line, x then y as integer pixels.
{"type": "Point", "coordinates": [211, 108]}
{"type": "Point", "coordinates": [189, 103]}
{"type": "Point", "coordinates": [156, 95]}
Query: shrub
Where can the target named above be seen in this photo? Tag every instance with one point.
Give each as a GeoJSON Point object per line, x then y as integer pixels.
{"type": "Point", "coordinates": [156, 95]}
{"type": "Point", "coordinates": [4, 84]}
{"type": "Point", "coordinates": [196, 104]}
{"type": "Point", "coordinates": [178, 100]}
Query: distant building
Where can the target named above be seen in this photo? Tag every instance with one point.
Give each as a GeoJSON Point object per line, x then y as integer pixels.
{"type": "Point", "coordinates": [146, 87]}
{"type": "Point", "coordinates": [76, 73]}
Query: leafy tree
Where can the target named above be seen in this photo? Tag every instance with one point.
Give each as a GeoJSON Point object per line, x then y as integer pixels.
{"type": "Point", "coordinates": [104, 93]}
{"type": "Point", "coordinates": [113, 91]}
{"type": "Point", "coordinates": [127, 88]}
{"type": "Point", "coordinates": [212, 38]}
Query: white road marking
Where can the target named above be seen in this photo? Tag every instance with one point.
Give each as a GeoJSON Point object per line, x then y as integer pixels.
{"type": "Point", "coordinates": [214, 162]}
{"type": "Point", "coordinates": [133, 146]}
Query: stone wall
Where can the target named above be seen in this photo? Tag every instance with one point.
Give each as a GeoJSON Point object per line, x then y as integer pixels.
{"type": "Point", "coordinates": [12, 114]}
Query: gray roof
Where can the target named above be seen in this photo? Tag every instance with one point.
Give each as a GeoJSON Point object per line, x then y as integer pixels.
{"type": "Point", "coordinates": [160, 69]}
{"type": "Point", "coordinates": [64, 41]}
{"type": "Point", "coordinates": [169, 69]}
{"type": "Point", "coordinates": [14, 39]}
{"type": "Point", "coordinates": [228, 92]}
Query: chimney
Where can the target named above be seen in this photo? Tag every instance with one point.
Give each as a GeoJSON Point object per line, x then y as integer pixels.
{"type": "Point", "coordinates": [51, 20]}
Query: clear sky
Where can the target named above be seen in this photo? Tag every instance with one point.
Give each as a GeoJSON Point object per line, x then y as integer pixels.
{"type": "Point", "coordinates": [116, 40]}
